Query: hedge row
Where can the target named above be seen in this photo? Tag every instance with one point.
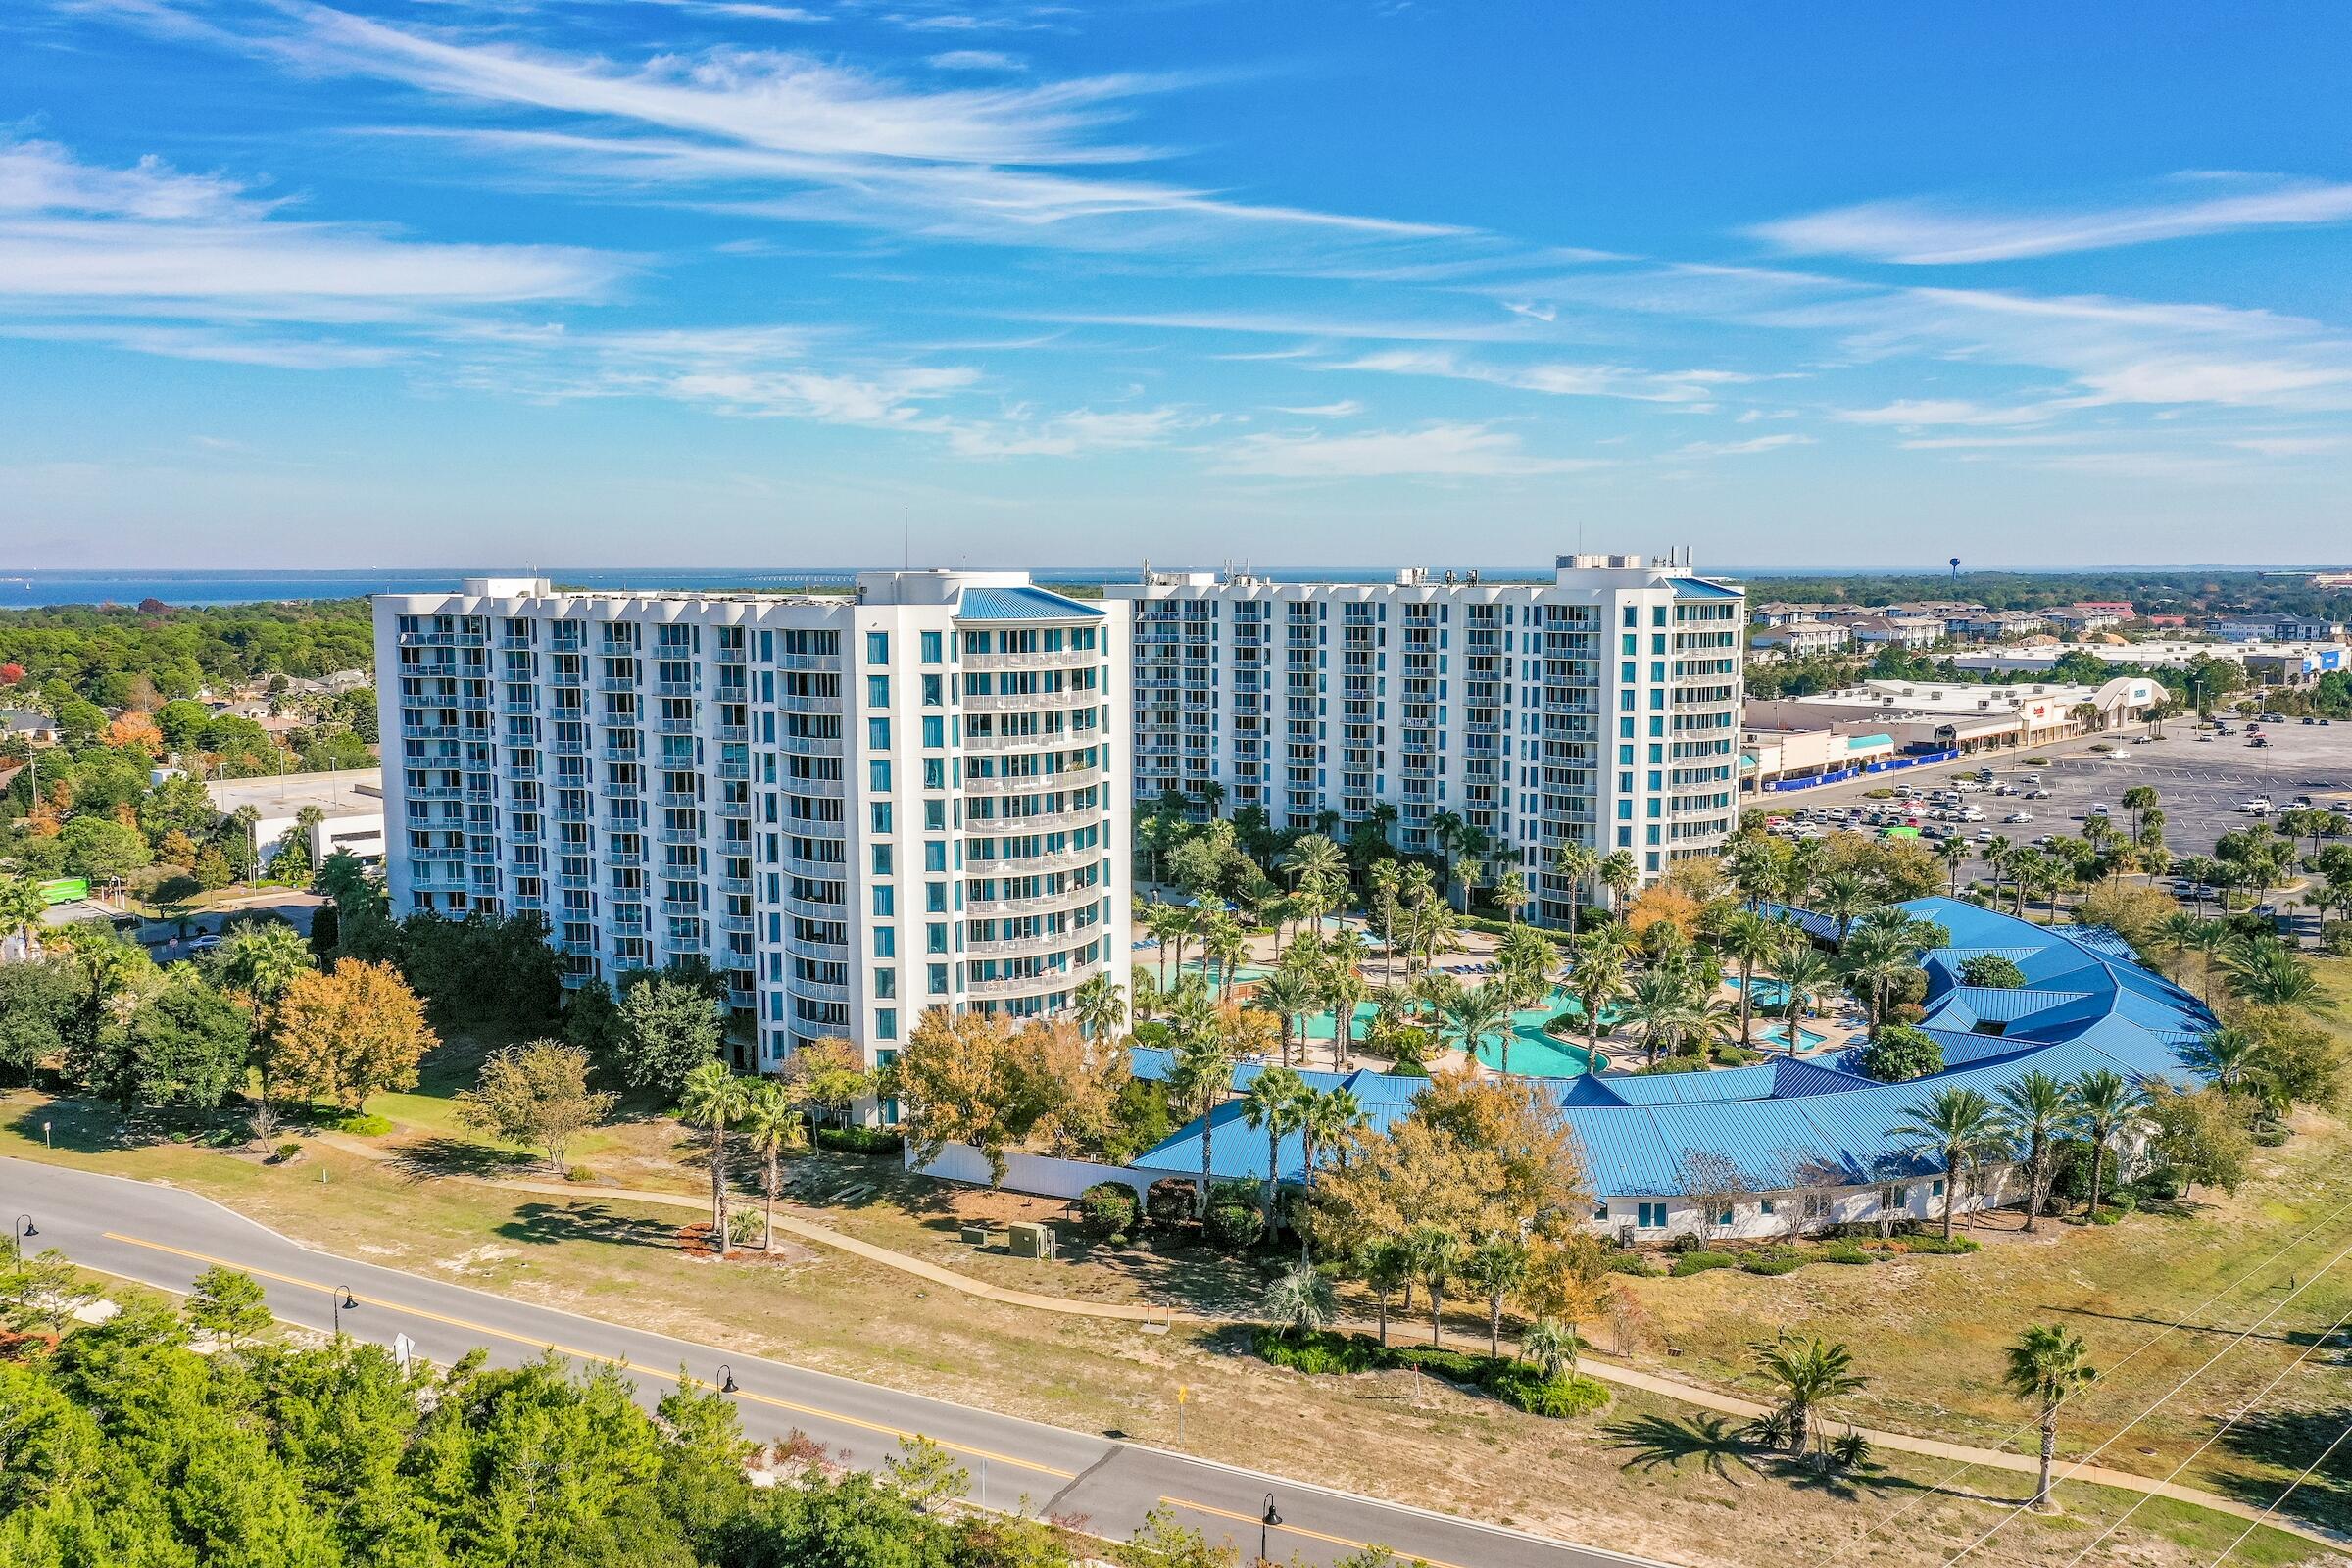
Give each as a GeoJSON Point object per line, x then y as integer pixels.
{"type": "Point", "coordinates": [1520, 1385]}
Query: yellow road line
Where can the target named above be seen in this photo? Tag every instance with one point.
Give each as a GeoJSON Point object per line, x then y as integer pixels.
{"type": "Point", "coordinates": [1301, 1530]}
{"type": "Point", "coordinates": [589, 1355]}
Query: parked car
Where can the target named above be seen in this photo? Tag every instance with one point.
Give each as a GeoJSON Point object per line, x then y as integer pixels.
{"type": "Point", "coordinates": [2019, 816]}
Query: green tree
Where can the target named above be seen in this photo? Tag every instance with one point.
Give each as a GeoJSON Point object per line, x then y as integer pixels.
{"type": "Point", "coordinates": [2047, 1366]}
{"type": "Point", "coordinates": [675, 1028]}
{"type": "Point", "coordinates": [1494, 1268]}
{"type": "Point", "coordinates": [713, 1098]}
{"type": "Point", "coordinates": [185, 1045]}
{"type": "Point", "coordinates": [1299, 1302]}
{"type": "Point", "coordinates": [1964, 1128]}
{"type": "Point", "coordinates": [1900, 1051]}
{"type": "Point", "coordinates": [102, 849]}
{"type": "Point", "coordinates": [228, 1306]}
{"type": "Point", "coordinates": [771, 1123]}
{"type": "Point", "coordinates": [536, 1094]}
{"type": "Point", "coordinates": [1806, 1374]}
{"type": "Point", "coordinates": [2107, 1108]}
{"type": "Point", "coordinates": [1276, 1103]}
{"type": "Point", "coordinates": [2038, 1108]}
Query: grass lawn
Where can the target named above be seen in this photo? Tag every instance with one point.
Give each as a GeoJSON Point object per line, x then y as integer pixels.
{"type": "Point", "coordinates": [2170, 1290]}
{"type": "Point", "coordinates": [1643, 1477]}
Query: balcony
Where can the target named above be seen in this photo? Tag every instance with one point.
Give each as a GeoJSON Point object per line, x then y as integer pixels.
{"type": "Point", "coordinates": [1027, 701]}
{"type": "Point", "coordinates": [810, 745]}
{"type": "Point", "coordinates": [1059, 658]}
{"type": "Point", "coordinates": [1029, 985]}
{"type": "Point", "coordinates": [1046, 904]}
{"type": "Point", "coordinates": [818, 990]}
{"type": "Point", "coordinates": [1030, 865]}
{"type": "Point", "coordinates": [1053, 822]}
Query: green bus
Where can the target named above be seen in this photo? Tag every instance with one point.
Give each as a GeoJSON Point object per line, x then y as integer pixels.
{"type": "Point", "coordinates": [64, 890]}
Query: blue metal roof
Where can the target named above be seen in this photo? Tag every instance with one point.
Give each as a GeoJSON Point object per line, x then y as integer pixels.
{"type": "Point", "coordinates": [1021, 604]}
{"type": "Point", "coordinates": [1701, 588]}
{"type": "Point", "coordinates": [1788, 1124]}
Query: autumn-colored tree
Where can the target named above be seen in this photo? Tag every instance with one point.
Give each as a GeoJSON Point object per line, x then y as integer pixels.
{"type": "Point", "coordinates": [1666, 902]}
{"type": "Point", "coordinates": [135, 731]}
{"type": "Point", "coordinates": [831, 1076]}
{"type": "Point", "coordinates": [997, 1085]}
{"type": "Point", "coordinates": [346, 1034]}
{"type": "Point", "coordinates": [536, 1094]}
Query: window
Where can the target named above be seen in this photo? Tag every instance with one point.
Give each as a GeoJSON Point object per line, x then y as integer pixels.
{"type": "Point", "coordinates": [886, 1023]}
{"type": "Point", "coordinates": [1650, 1216]}
{"type": "Point", "coordinates": [878, 774]}
{"type": "Point", "coordinates": [935, 730]}
{"type": "Point", "coordinates": [1936, 1190]}
{"type": "Point", "coordinates": [937, 980]}
{"type": "Point", "coordinates": [935, 937]}
{"type": "Point", "coordinates": [886, 983]}
{"type": "Point", "coordinates": [935, 816]}
{"type": "Point", "coordinates": [935, 855]}
{"type": "Point", "coordinates": [878, 734]}
{"type": "Point", "coordinates": [886, 902]}
{"type": "Point", "coordinates": [886, 942]}
{"type": "Point", "coordinates": [935, 772]}
{"type": "Point", "coordinates": [878, 813]}
{"type": "Point", "coordinates": [1600, 1212]}
{"type": "Point", "coordinates": [930, 648]}
{"type": "Point", "coordinates": [935, 692]}
{"type": "Point", "coordinates": [1765, 1208]}
{"type": "Point", "coordinates": [877, 648]}
{"type": "Point", "coordinates": [935, 898]}
{"type": "Point", "coordinates": [1723, 1215]}
{"type": "Point", "coordinates": [882, 860]}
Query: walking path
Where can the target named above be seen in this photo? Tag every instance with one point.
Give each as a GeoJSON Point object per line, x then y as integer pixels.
{"type": "Point", "coordinates": [1609, 1371]}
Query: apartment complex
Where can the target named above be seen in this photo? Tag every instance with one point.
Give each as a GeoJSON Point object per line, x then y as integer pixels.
{"type": "Point", "coordinates": [1602, 707]}
{"type": "Point", "coordinates": [854, 808]}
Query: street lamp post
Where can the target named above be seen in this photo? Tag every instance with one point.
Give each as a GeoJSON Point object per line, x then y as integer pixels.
{"type": "Point", "coordinates": [24, 1227]}
{"type": "Point", "coordinates": [340, 1301]}
{"type": "Point", "coordinates": [726, 1378]}
{"type": "Point", "coordinates": [1266, 1523]}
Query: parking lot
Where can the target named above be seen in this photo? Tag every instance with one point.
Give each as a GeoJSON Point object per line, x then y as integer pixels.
{"type": "Point", "coordinates": [2199, 784]}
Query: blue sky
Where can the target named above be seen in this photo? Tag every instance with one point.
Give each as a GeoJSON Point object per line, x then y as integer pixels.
{"type": "Point", "coordinates": [732, 282]}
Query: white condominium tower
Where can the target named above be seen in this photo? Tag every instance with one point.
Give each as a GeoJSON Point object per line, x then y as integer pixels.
{"type": "Point", "coordinates": [1602, 707]}
{"type": "Point", "coordinates": [853, 807]}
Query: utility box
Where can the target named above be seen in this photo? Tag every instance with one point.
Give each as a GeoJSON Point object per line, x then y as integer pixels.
{"type": "Point", "coordinates": [974, 1235]}
{"type": "Point", "coordinates": [1031, 1239]}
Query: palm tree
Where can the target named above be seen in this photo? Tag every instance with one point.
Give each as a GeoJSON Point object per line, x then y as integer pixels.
{"type": "Point", "coordinates": [1495, 1266]}
{"type": "Point", "coordinates": [1102, 1011]}
{"type": "Point", "coordinates": [1445, 831]}
{"type": "Point", "coordinates": [1511, 893]}
{"type": "Point", "coordinates": [772, 1124]}
{"type": "Point", "coordinates": [1326, 1116]}
{"type": "Point", "coordinates": [1385, 880]}
{"type": "Point", "coordinates": [1288, 994]}
{"type": "Point", "coordinates": [1963, 1126]}
{"type": "Point", "coordinates": [1597, 977]}
{"type": "Point", "coordinates": [2039, 1108]}
{"type": "Point", "coordinates": [2268, 974]}
{"type": "Point", "coordinates": [1842, 896]}
{"type": "Point", "coordinates": [1806, 973]}
{"type": "Point", "coordinates": [2107, 1106]}
{"type": "Point", "coordinates": [1273, 1101]}
{"type": "Point", "coordinates": [1344, 986]}
{"type": "Point", "coordinates": [1618, 873]}
{"type": "Point", "coordinates": [1806, 1373]}
{"type": "Point", "coordinates": [1954, 851]}
{"type": "Point", "coordinates": [1170, 924]}
{"type": "Point", "coordinates": [20, 908]}
{"type": "Point", "coordinates": [2139, 800]}
{"type": "Point", "coordinates": [1475, 1012]}
{"type": "Point", "coordinates": [1874, 957]}
{"type": "Point", "coordinates": [1147, 991]}
{"type": "Point", "coordinates": [1387, 1267]}
{"type": "Point", "coordinates": [1299, 1302]}
{"type": "Point", "coordinates": [2233, 1060]}
{"type": "Point", "coordinates": [1551, 1344]}
{"type": "Point", "coordinates": [1315, 861]}
{"type": "Point", "coordinates": [1997, 849]}
{"type": "Point", "coordinates": [2047, 1366]}
{"type": "Point", "coordinates": [1748, 939]}
{"type": "Point", "coordinates": [1224, 944]}
{"type": "Point", "coordinates": [1199, 1078]}
{"type": "Point", "coordinates": [1436, 1253]}
{"type": "Point", "coordinates": [713, 1097]}
{"type": "Point", "coordinates": [1659, 1010]}
{"type": "Point", "coordinates": [1574, 862]}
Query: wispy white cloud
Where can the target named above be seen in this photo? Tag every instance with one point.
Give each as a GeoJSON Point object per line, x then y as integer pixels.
{"type": "Point", "coordinates": [1913, 412]}
{"type": "Point", "coordinates": [1927, 233]}
{"type": "Point", "coordinates": [1344, 408]}
{"type": "Point", "coordinates": [1739, 449]}
{"type": "Point", "coordinates": [1440, 449]}
{"type": "Point", "coordinates": [1557, 379]}
{"type": "Point", "coordinates": [976, 59]}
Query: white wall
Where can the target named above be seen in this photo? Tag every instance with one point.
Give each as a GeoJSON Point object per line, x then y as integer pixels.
{"type": "Point", "coordinates": [1038, 1174]}
{"type": "Point", "coordinates": [1849, 1206]}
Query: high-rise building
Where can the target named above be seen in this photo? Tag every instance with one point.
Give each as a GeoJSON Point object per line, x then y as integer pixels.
{"type": "Point", "coordinates": [1602, 707]}
{"type": "Point", "coordinates": [854, 806]}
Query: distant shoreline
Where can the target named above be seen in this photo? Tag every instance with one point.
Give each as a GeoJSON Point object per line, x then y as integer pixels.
{"type": "Point", "coordinates": [34, 589]}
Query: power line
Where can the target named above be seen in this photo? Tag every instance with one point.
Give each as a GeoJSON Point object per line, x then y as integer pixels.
{"type": "Point", "coordinates": [2284, 1495]}
{"type": "Point", "coordinates": [1928, 1494]}
{"type": "Point", "coordinates": [2080, 1464]}
{"type": "Point", "coordinates": [2242, 1413]}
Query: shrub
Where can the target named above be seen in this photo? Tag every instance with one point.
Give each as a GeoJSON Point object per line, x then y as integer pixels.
{"type": "Point", "coordinates": [1233, 1227]}
{"type": "Point", "coordinates": [1771, 1265]}
{"type": "Point", "coordinates": [1154, 1032]}
{"type": "Point", "coordinates": [1677, 1063]}
{"type": "Point", "coordinates": [365, 1124]}
{"type": "Point", "coordinates": [1691, 1263]}
{"type": "Point", "coordinates": [872, 1142]}
{"type": "Point", "coordinates": [745, 1226]}
{"type": "Point", "coordinates": [1107, 1208]}
{"type": "Point", "coordinates": [291, 1149]}
{"type": "Point", "coordinates": [1571, 1394]}
{"type": "Point", "coordinates": [1844, 1253]}
{"type": "Point", "coordinates": [1936, 1244]}
{"type": "Point", "coordinates": [579, 1173]}
{"type": "Point", "coordinates": [1626, 1261]}
{"type": "Point", "coordinates": [1992, 971]}
{"type": "Point", "coordinates": [1900, 1051]}
{"type": "Point", "coordinates": [1324, 1353]}
{"type": "Point", "coordinates": [1169, 1203]}
{"type": "Point", "coordinates": [1454, 1366]}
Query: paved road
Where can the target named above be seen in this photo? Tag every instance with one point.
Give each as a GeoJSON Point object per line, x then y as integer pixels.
{"type": "Point", "coordinates": [163, 1237]}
